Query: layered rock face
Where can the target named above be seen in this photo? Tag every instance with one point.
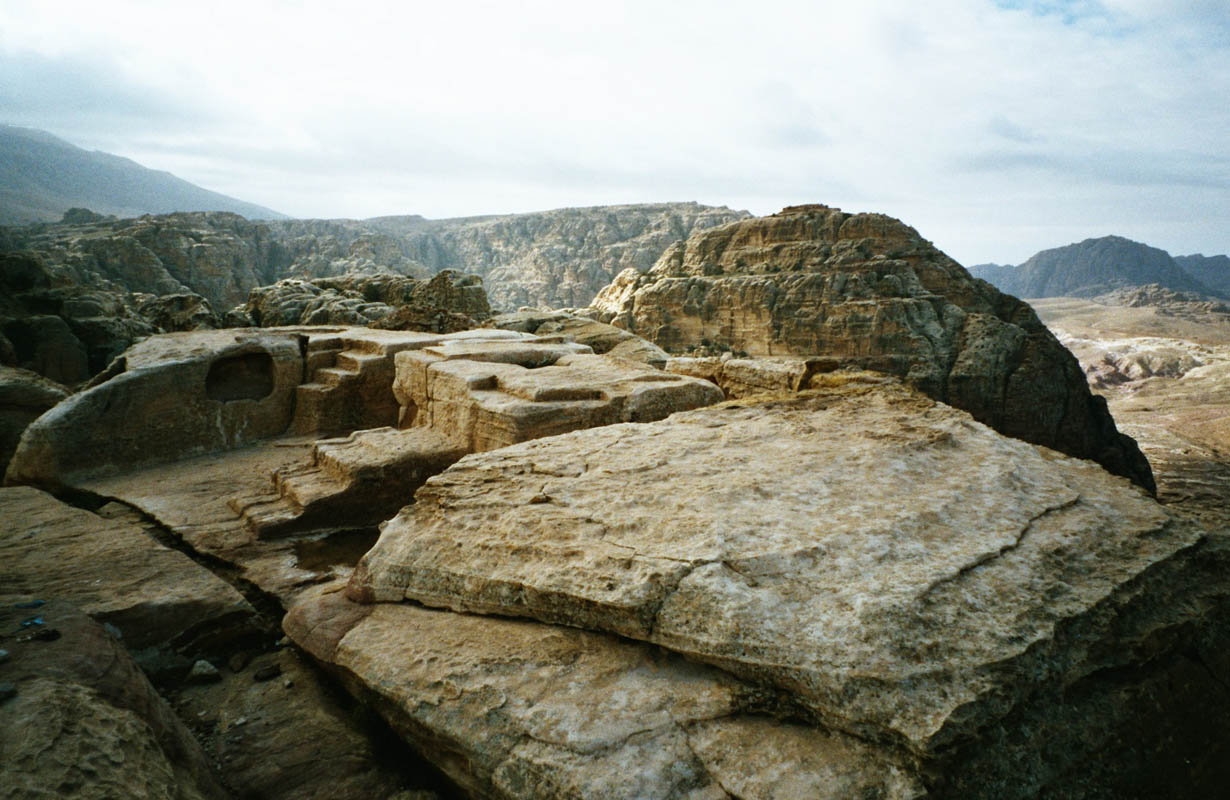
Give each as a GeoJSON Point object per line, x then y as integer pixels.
{"type": "Point", "coordinates": [64, 329]}
{"type": "Point", "coordinates": [562, 257]}
{"type": "Point", "coordinates": [552, 258]}
{"type": "Point", "coordinates": [866, 291]}
{"type": "Point", "coordinates": [942, 601]}
{"type": "Point", "coordinates": [445, 303]}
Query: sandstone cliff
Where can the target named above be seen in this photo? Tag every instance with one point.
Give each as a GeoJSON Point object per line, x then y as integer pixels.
{"type": "Point", "coordinates": [551, 258]}
{"type": "Point", "coordinates": [865, 290]}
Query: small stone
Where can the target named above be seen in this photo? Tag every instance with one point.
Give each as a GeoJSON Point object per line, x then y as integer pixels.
{"type": "Point", "coordinates": [7, 691]}
{"type": "Point", "coordinates": [286, 684]}
{"type": "Point", "coordinates": [114, 631]}
{"type": "Point", "coordinates": [267, 672]}
{"type": "Point", "coordinates": [283, 642]}
{"type": "Point", "coordinates": [237, 661]}
{"type": "Point", "coordinates": [240, 721]}
{"type": "Point", "coordinates": [203, 672]}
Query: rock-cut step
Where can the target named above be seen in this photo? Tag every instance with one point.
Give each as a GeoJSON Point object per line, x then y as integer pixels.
{"type": "Point", "coordinates": [354, 481]}
{"type": "Point", "coordinates": [349, 389]}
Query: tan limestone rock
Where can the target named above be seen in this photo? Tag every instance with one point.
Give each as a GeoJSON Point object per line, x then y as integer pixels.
{"type": "Point", "coordinates": [869, 292]}
{"type": "Point", "coordinates": [518, 709]}
{"type": "Point", "coordinates": [491, 394]}
{"type": "Point", "coordinates": [24, 396]}
{"type": "Point", "coordinates": [169, 397]}
{"type": "Point", "coordinates": [902, 570]}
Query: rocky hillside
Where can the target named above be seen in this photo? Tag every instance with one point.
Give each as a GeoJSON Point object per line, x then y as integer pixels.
{"type": "Point", "coordinates": [1090, 268]}
{"type": "Point", "coordinates": [865, 290]}
{"type": "Point", "coordinates": [553, 258]}
{"type": "Point", "coordinates": [1212, 271]}
{"type": "Point", "coordinates": [41, 177]}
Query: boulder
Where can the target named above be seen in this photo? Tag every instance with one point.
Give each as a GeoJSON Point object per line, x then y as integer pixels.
{"type": "Point", "coordinates": [884, 564]}
{"type": "Point", "coordinates": [178, 312]}
{"type": "Point", "coordinates": [518, 709]}
{"type": "Point", "coordinates": [85, 722]}
{"type": "Point", "coordinates": [866, 291]}
{"type": "Point", "coordinates": [171, 396]}
{"type": "Point", "coordinates": [24, 396]}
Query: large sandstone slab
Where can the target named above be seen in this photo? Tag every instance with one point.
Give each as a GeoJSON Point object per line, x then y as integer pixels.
{"type": "Point", "coordinates": [869, 292]}
{"type": "Point", "coordinates": [903, 571]}
{"type": "Point", "coordinates": [518, 709]}
{"type": "Point", "coordinates": [158, 599]}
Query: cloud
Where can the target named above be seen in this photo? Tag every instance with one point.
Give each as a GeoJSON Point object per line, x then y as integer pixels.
{"type": "Point", "coordinates": [968, 118]}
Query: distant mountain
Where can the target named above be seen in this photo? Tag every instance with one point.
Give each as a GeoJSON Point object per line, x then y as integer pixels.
{"type": "Point", "coordinates": [1091, 268]}
{"type": "Point", "coordinates": [42, 176]}
{"type": "Point", "coordinates": [1212, 271]}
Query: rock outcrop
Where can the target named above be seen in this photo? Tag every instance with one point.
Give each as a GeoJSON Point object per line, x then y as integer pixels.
{"type": "Point", "coordinates": [979, 590]}
{"type": "Point", "coordinates": [551, 258]}
{"type": "Point", "coordinates": [841, 588]}
{"type": "Point", "coordinates": [445, 303]}
{"type": "Point", "coordinates": [64, 329]}
{"type": "Point", "coordinates": [865, 291]}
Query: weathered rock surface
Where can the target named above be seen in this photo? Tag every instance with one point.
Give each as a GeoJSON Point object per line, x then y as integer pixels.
{"type": "Point", "coordinates": [24, 396]}
{"type": "Point", "coordinates": [168, 609]}
{"type": "Point", "coordinates": [290, 738]}
{"type": "Point", "coordinates": [901, 572]}
{"type": "Point", "coordinates": [866, 291]}
{"type": "Point", "coordinates": [491, 394]}
{"type": "Point", "coordinates": [85, 722]}
{"type": "Point", "coordinates": [517, 709]}
{"type": "Point", "coordinates": [64, 329]}
{"type": "Point", "coordinates": [172, 313]}
{"type": "Point", "coordinates": [171, 396]}
{"type": "Point", "coordinates": [552, 258]}
{"type": "Point", "coordinates": [602, 338]}
{"type": "Point", "coordinates": [446, 303]}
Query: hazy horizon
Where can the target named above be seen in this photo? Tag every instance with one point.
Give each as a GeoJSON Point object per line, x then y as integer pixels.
{"type": "Point", "coordinates": [996, 128]}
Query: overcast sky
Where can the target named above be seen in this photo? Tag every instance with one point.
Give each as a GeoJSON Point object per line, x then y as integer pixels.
{"type": "Point", "coordinates": [994, 127]}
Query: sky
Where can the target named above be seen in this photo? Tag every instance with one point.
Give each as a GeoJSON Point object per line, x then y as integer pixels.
{"type": "Point", "coordinates": [996, 128]}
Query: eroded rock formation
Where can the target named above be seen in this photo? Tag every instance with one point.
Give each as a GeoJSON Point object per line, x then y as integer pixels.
{"type": "Point", "coordinates": [866, 291]}
{"type": "Point", "coordinates": [844, 588]}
